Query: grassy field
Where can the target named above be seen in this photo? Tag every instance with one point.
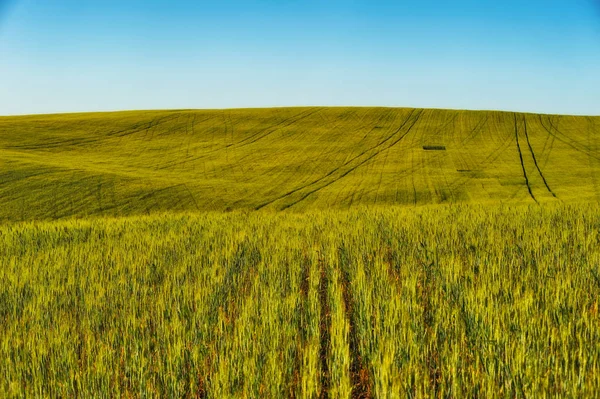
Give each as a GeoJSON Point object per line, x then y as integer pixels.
{"type": "Point", "coordinates": [135, 163]}
{"type": "Point", "coordinates": [301, 252]}
{"type": "Point", "coordinates": [462, 301]}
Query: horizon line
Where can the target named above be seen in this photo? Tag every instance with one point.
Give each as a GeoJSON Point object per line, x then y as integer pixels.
{"type": "Point", "coordinates": [113, 111]}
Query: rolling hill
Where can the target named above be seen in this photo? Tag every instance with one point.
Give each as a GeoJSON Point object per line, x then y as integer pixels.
{"type": "Point", "coordinates": [392, 298]}
{"type": "Point", "coordinates": [131, 163]}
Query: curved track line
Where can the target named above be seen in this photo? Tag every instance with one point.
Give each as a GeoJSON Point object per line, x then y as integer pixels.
{"type": "Point", "coordinates": [287, 122]}
{"type": "Point", "coordinates": [374, 148]}
{"type": "Point", "coordinates": [335, 169]}
{"type": "Point", "coordinates": [535, 160]}
{"type": "Point", "coordinates": [593, 173]}
{"type": "Point", "coordinates": [523, 163]}
{"type": "Point", "coordinates": [575, 147]}
{"type": "Point", "coordinates": [243, 142]}
{"type": "Point", "coordinates": [489, 159]}
{"type": "Point", "coordinates": [354, 167]}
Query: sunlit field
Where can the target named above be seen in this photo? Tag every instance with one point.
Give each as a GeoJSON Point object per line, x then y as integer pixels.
{"type": "Point", "coordinates": [440, 302]}
{"type": "Point", "coordinates": [317, 252]}
{"type": "Point", "coordinates": [295, 159]}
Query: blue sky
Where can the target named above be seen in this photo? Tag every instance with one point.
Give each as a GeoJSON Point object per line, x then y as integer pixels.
{"type": "Point", "coordinates": [68, 55]}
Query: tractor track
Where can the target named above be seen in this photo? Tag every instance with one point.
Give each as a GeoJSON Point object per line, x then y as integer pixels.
{"type": "Point", "coordinates": [593, 144]}
{"type": "Point", "coordinates": [324, 328]}
{"type": "Point", "coordinates": [522, 162]}
{"type": "Point", "coordinates": [534, 158]}
{"type": "Point", "coordinates": [489, 159]}
{"type": "Point", "coordinates": [244, 142]}
{"type": "Point", "coordinates": [287, 122]}
{"type": "Point", "coordinates": [136, 128]}
{"type": "Point", "coordinates": [324, 153]}
{"type": "Point", "coordinates": [374, 148]}
{"type": "Point", "coordinates": [576, 147]}
{"type": "Point", "coordinates": [359, 374]}
{"type": "Point", "coordinates": [353, 168]}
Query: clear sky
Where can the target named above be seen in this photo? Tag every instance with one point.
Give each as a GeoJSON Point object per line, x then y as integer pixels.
{"type": "Point", "coordinates": [83, 55]}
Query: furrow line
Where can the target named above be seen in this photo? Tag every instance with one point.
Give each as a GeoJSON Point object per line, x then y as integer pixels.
{"type": "Point", "coordinates": [352, 168]}
{"type": "Point", "coordinates": [359, 373]}
{"type": "Point", "coordinates": [575, 147]}
{"type": "Point", "coordinates": [281, 125]}
{"type": "Point", "coordinates": [324, 328]}
{"type": "Point", "coordinates": [341, 166]}
{"type": "Point", "coordinates": [243, 142]}
{"type": "Point", "coordinates": [522, 162]}
{"type": "Point", "coordinates": [535, 160]}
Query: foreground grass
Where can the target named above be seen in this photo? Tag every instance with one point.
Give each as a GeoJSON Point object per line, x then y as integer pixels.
{"type": "Point", "coordinates": [448, 301]}
{"type": "Point", "coordinates": [143, 162]}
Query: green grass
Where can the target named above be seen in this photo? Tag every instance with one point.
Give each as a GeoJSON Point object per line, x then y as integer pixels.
{"type": "Point", "coordinates": [134, 163]}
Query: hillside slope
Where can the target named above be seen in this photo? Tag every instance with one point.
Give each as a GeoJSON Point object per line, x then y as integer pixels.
{"type": "Point", "coordinates": [54, 166]}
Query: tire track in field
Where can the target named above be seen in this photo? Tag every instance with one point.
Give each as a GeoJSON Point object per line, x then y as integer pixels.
{"type": "Point", "coordinates": [10, 180]}
{"type": "Point", "coordinates": [143, 126]}
{"type": "Point", "coordinates": [385, 117]}
{"type": "Point", "coordinates": [462, 142]}
{"type": "Point", "coordinates": [379, 121]}
{"type": "Point", "coordinates": [522, 162]}
{"type": "Point", "coordinates": [189, 132]}
{"type": "Point", "coordinates": [77, 141]}
{"type": "Point", "coordinates": [475, 131]}
{"type": "Point", "coordinates": [287, 122]}
{"type": "Point", "coordinates": [458, 158]}
{"type": "Point", "coordinates": [375, 149]}
{"type": "Point", "coordinates": [413, 169]}
{"type": "Point", "coordinates": [440, 160]}
{"type": "Point", "coordinates": [489, 159]}
{"type": "Point", "coordinates": [577, 146]}
{"type": "Point", "coordinates": [303, 323]}
{"type": "Point", "coordinates": [593, 145]}
{"type": "Point", "coordinates": [324, 328]}
{"type": "Point", "coordinates": [421, 164]}
{"type": "Point", "coordinates": [244, 142]}
{"type": "Point", "coordinates": [410, 171]}
{"type": "Point", "coordinates": [353, 168]}
{"type": "Point", "coordinates": [276, 170]}
{"type": "Point", "coordinates": [413, 150]}
{"type": "Point", "coordinates": [327, 175]}
{"type": "Point", "coordinates": [445, 159]}
{"type": "Point", "coordinates": [387, 154]}
{"type": "Point", "coordinates": [359, 372]}
{"type": "Point", "coordinates": [554, 122]}
{"type": "Point", "coordinates": [534, 159]}
{"type": "Point", "coordinates": [428, 159]}
{"type": "Point", "coordinates": [374, 126]}
{"type": "Point", "coordinates": [547, 149]}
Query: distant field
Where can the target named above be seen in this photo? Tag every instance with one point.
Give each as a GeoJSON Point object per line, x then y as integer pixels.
{"type": "Point", "coordinates": [132, 163]}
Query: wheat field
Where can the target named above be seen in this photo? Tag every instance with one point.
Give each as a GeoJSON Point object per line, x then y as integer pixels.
{"type": "Point", "coordinates": [466, 301]}
{"type": "Point", "coordinates": [297, 159]}
{"type": "Point", "coordinates": [301, 252]}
